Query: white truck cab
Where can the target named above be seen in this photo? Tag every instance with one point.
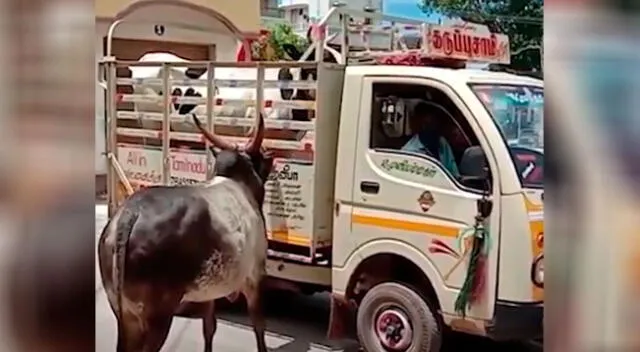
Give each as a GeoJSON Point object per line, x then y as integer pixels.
{"type": "Point", "coordinates": [413, 226]}
{"type": "Point", "coordinates": [409, 212]}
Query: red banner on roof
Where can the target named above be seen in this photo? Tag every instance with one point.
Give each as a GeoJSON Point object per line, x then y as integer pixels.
{"type": "Point", "coordinates": [464, 44]}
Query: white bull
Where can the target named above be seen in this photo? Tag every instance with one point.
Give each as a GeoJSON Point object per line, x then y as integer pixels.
{"type": "Point", "coordinates": [227, 73]}
{"type": "Point", "coordinates": [221, 73]}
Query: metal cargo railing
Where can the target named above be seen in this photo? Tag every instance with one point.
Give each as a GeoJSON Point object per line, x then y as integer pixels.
{"type": "Point", "coordinates": [154, 134]}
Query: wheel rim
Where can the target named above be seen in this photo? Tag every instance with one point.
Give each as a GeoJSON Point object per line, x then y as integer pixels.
{"type": "Point", "coordinates": [393, 329]}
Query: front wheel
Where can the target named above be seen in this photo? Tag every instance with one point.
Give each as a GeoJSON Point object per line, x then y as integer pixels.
{"type": "Point", "coordinates": [394, 318]}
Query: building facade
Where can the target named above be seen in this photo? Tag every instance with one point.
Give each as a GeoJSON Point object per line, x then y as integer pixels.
{"type": "Point", "coordinates": [270, 9]}
{"type": "Point", "coordinates": [300, 12]}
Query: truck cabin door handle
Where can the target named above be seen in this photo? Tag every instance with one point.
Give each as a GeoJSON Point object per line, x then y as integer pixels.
{"type": "Point", "coordinates": [369, 187]}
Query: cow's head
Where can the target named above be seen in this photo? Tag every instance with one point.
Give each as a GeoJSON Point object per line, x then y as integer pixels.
{"type": "Point", "coordinates": [184, 109]}
{"type": "Point", "coordinates": [249, 164]}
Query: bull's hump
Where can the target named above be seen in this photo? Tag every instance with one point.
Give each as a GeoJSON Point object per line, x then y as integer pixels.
{"type": "Point", "coordinates": [231, 210]}
{"type": "Point", "coordinates": [217, 180]}
{"type": "Point", "coordinates": [223, 192]}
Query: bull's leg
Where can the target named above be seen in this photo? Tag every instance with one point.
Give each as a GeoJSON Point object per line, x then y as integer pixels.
{"type": "Point", "coordinates": [159, 311]}
{"type": "Point", "coordinates": [130, 333]}
{"type": "Point", "coordinates": [254, 305]}
{"type": "Point", "coordinates": [209, 325]}
{"type": "Point", "coordinates": [157, 330]}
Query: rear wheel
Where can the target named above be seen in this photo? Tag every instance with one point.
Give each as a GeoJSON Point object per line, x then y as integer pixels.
{"type": "Point", "coordinates": [393, 317]}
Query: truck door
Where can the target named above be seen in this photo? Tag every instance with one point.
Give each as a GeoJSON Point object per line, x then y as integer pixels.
{"type": "Point", "coordinates": [411, 198]}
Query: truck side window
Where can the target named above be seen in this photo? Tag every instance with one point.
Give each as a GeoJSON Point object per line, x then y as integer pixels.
{"type": "Point", "coordinates": [421, 120]}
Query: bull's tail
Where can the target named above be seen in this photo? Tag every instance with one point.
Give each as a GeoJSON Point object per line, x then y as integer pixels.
{"type": "Point", "coordinates": [124, 225]}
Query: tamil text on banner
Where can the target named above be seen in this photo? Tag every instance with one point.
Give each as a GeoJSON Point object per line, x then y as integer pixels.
{"type": "Point", "coordinates": [468, 44]}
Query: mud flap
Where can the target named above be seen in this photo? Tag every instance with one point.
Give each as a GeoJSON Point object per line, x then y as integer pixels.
{"type": "Point", "coordinates": [342, 316]}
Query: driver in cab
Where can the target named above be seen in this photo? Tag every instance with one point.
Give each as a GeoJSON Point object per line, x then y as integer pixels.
{"type": "Point", "coordinates": [427, 124]}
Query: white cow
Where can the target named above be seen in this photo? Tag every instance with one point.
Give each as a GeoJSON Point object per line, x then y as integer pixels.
{"type": "Point", "coordinates": [239, 74]}
{"type": "Point", "coordinates": [222, 73]}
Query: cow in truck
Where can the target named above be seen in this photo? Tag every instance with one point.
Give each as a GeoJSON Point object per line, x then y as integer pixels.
{"type": "Point", "coordinates": [168, 249]}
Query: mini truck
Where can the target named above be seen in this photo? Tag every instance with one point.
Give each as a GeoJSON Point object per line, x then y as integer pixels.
{"type": "Point", "coordinates": [406, 247]}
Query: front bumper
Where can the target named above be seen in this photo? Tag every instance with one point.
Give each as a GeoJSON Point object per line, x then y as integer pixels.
{"type": "Point", "coordinates": [516, 321]}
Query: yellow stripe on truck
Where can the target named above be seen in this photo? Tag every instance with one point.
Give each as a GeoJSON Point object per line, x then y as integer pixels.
{"type": "Point", "coordinates": [288, 237]}
{"type": "Point", "coordinates": [413, 226]}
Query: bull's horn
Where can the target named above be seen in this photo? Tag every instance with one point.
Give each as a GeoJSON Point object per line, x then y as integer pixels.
{"type": "Point", "coordinates": [254, 144]}
{"type": "Point", "coordinates": [216, 141]}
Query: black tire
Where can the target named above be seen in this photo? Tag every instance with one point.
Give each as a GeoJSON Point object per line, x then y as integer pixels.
{"type": "Point", "coordinates": [427, 333]}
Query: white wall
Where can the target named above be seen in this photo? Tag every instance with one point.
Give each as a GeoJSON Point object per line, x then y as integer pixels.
{"type": "Point", "coordinates": [225, 51]}
{"type": "Point", "coordinates": [318, 8]}
{"type": "Point", "coordinates": [287, 3]}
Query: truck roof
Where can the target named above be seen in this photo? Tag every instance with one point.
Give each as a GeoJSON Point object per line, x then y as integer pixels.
{"type": "Point", "coordinates": [463, 76]}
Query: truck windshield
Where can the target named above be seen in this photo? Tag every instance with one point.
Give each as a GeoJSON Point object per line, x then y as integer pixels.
{"type": "Point", "coordinates": [518, 111]}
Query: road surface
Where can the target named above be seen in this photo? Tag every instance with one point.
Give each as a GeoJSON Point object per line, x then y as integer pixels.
{"type": "Point", "coordinates": [297, 325]}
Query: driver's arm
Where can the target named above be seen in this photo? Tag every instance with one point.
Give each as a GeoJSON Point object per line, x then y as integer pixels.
{"type": "Point", "coordinates": [448, 159]}
{"type": "Point", "coordinates": [415, 146]}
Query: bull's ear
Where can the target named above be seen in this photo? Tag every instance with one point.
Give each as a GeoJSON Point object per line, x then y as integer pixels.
{"type": "Point", "coordinates": [214, 151]}
{"type": "Point", "coordinates": [292, 51]}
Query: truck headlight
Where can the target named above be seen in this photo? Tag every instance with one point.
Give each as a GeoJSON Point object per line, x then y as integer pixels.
{"type": "Point", "coordinates": [537, 271]}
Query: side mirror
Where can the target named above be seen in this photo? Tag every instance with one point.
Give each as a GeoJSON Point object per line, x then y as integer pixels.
{"type": "Point", "coordinates": [389, 112]}
{"type": "Point", "coordinates": [393, 112]}
{"type": "Point", "coordinates": [474, 168]}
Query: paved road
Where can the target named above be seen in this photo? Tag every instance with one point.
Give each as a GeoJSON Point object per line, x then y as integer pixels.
{"type": "Point", "coordinates": [297, 325]}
